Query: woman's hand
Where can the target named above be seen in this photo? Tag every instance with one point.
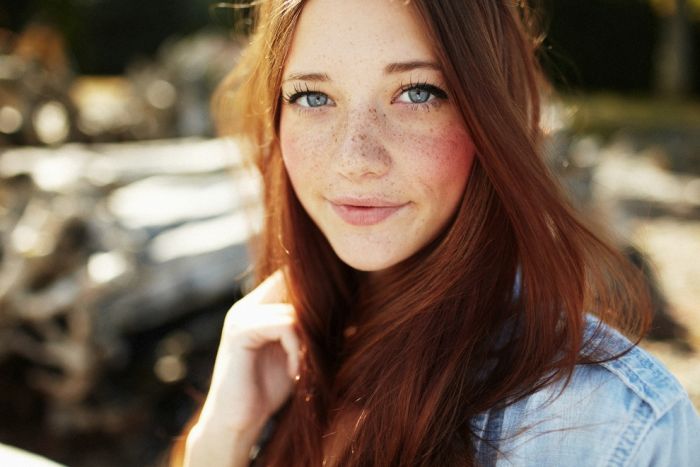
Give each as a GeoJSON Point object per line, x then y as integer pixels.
{"type": "Point", "coordinates": [254, 372]}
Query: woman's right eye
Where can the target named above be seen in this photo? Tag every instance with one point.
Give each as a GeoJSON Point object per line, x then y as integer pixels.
{"type": "Point", "coordinates": [309, 99]}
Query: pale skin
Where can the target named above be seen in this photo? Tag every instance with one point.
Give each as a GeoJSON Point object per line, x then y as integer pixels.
{"type": "Point", "coordinates": [367, 121]}
{"type": "Point", "coordinates": [255, 369]}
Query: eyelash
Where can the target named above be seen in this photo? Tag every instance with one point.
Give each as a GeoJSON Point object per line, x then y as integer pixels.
{"type": "Point", "coordinates": [438, 93]}
{"type": "Point", "coordinates": [298, 92]}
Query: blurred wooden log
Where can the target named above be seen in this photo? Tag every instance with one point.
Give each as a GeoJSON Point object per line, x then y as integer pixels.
{"type": "Point", "coordinates": [102, 242]}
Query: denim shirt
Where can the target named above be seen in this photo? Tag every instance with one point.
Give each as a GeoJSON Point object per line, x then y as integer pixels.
{"type": "Point", "coordinates": [629, 411]}
{"type": "Point", "coordinates": [626, 412]}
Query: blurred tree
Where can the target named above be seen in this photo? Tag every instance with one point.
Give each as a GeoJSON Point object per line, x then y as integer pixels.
{"type": "Point", "coordinates": [619, 45]}
{"type": "Point", "coordinates": [601, 44]}
{"type": "Point", "coordinates": [66, 16]}
{"type": "Point", "coordinates": [105, 35]}
{"type": "Point", "coordinates": [638, 46]}
{"type": "Point", "coordinates": [674, 53]}
{"type": "Point", "coordinates": [121, 30]}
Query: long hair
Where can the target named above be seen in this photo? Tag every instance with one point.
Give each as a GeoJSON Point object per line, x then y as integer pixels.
{"type": "Point", "coordinates": [488, 313]}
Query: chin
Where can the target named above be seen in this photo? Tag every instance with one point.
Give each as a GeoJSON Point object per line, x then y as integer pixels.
{"type": "Point", "coordinates": [368, 262]}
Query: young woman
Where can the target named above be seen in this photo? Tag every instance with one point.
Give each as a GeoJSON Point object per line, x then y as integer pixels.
{"type": "Point", "coordinates": [427, 295]}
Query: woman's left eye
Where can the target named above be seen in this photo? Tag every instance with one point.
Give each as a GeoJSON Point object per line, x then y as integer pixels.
{"type": "Point", "coordinates": [308, 99]}
{"type": "Point", "coordinates": [312, 99]}
{"type": "Point", "coordinates": [421, 94]}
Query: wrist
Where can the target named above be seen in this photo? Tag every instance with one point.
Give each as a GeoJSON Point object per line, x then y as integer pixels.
{"type": "Point", "coordinates": [214, 446]}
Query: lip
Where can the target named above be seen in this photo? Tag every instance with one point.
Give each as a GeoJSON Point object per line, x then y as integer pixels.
{"type": "Point", "coordinates": [364, 211]}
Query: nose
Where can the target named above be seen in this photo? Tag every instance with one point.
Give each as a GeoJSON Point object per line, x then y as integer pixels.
{"type": "Point", "coordinates": [362, 152]}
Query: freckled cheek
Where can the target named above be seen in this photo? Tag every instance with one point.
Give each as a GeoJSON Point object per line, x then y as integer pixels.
{"type": "Point", "coordinates": [440, 158]}
{"type": "Point", "coordinates": [303, 150]}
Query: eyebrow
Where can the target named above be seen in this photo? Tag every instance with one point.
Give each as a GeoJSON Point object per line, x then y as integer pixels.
{"type": "Point", "coordinates": [409, 66]}
{"type": "Point", "coordinates": [307, 77]}
{"type": "Point", "coordinates": [392, 68]}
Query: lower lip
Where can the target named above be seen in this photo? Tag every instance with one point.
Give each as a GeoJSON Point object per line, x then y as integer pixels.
{"type": "Point", "coordinates": [363, 215]}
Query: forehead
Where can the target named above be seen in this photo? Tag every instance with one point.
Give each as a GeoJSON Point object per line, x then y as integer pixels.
{"type": "Point", "coordinates": [357, 33]}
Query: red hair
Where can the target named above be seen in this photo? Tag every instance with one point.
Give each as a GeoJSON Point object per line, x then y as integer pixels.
{"type": "Point", "coordinates": [488, 313]}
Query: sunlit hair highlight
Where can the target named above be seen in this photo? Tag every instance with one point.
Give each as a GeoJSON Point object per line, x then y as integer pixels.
{"type": "Point", "coordinates": [448, 334]}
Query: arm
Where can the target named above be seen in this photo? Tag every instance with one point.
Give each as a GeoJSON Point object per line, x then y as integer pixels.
{"type": "Point", "coordinates": [253, 376]}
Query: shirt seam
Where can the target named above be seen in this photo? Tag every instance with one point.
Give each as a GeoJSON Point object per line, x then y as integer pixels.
{"type": "Point", "coordinates": [630, 439]}
{"type": "Point", "coordinates": [650, 394]}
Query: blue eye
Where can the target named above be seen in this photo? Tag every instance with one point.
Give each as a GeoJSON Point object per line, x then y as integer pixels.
{"type": "Point", "coordinates": [309, 99]}
{"type": "Point", "coordinates": [314, 99]}
{"type": "Point", "coordinates": [418, 96]}
{"type": "Point", "coordinates": [421, 94]}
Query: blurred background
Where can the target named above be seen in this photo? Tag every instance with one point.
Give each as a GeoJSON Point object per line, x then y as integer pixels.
{"type": "Point", "coordinates": [123, 220]}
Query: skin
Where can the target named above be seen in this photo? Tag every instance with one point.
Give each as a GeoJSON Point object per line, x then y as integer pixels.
{"type": "Point", "coordinates": [351, 127]}
{"type": "Point", "coordinates": [369, 139]}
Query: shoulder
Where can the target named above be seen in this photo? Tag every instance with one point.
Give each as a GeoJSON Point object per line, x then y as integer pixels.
{"type": "Point", "coordinates": [627, 411]}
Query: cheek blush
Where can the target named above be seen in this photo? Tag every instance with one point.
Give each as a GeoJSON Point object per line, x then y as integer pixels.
{"type": "Point", "coordinates": [436, 157]}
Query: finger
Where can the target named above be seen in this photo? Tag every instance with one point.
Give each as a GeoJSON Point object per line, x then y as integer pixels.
{"type": "Point", "coordinates": [251, 316]}
{"type": "Point", "coordinates": [242, 320]}
{"type": "Point", "coordinates": [272, 290]}
{"type": "Point", "coordinates": [275, 323]}
{"type": "Point", "coordinates": [278, 328]}
{"type": "Point", "coordinates": [290, 343]}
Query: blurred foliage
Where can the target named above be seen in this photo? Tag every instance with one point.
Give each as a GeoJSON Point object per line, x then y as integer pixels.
{"type": "Point", "coordinates": [661, 128]}
{"type": "Point", "coordinates": [610, 44]}
{"type": "Point", "coordinates": [601, 43]}
{"type": "Point", "coordinates": [606, 113]}
{"type": "Point", "coordinates": [667, 7]}
{"type": "Point", "coordinates": [592, 44]}
{"type": "Point", "coordinates": [104, 36]}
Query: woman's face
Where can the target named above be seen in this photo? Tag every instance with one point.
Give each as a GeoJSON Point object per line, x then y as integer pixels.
{"type": "Point", "coordinates": [374, 146]}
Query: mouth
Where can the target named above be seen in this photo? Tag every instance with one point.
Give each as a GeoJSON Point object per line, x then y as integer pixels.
{"type": "Point", "coordinates": [365, 211]}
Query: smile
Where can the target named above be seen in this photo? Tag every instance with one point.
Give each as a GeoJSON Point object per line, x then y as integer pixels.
{"type": "Point", "coordinates": [364, 212]}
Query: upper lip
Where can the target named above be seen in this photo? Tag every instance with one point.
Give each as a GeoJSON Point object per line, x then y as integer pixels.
{"type": "Point", "coordinates": [365, 201]}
